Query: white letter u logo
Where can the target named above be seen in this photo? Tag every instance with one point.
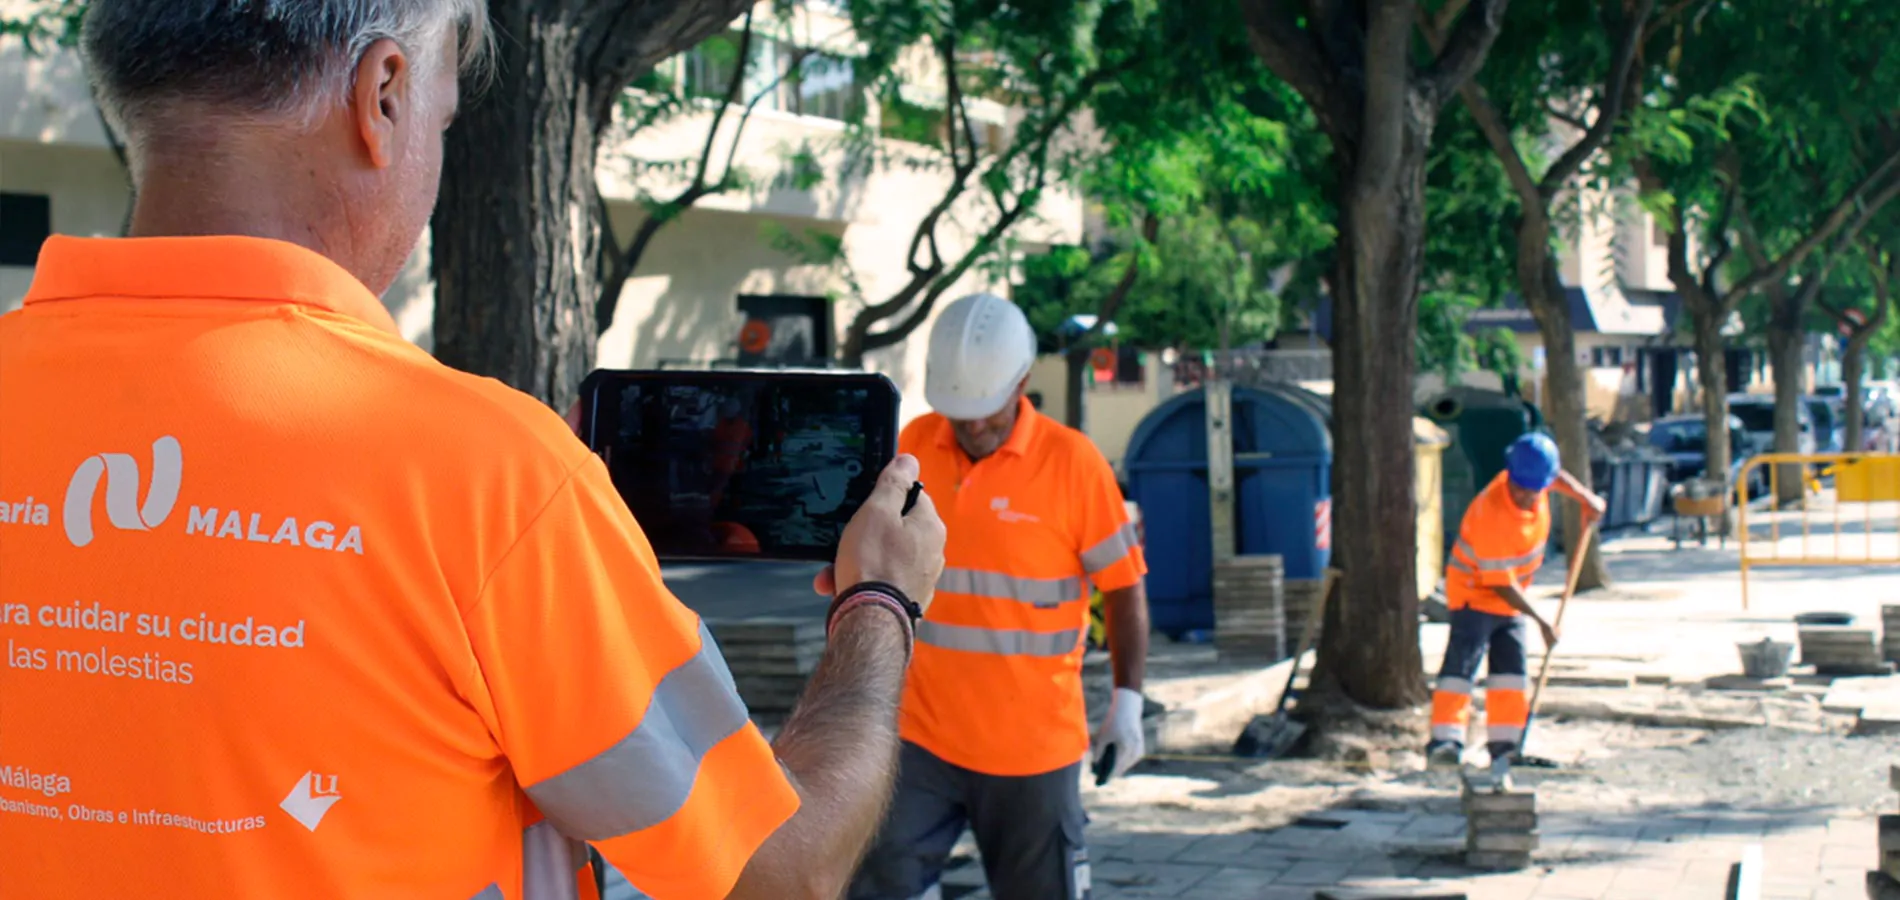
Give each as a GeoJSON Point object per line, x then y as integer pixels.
{"type": "Point", "coordinates": [121, 473]}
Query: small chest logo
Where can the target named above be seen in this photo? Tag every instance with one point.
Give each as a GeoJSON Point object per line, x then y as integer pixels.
{"type": "Point", "coordinates": [311, 799]}
{"type": "Point", "coordinates": [1000, 506]}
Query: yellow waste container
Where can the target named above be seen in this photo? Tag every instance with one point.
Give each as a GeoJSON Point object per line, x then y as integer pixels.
{"type": "Point", "coordinates": [1867, 480]}
{"type": "Point", "coordinates": [1428, 473]}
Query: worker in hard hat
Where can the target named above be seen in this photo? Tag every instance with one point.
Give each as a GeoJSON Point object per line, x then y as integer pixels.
{"type": "Point", "coordinates": [993, 722]}
{"type": "Point", "coordinates": [1500, 545]}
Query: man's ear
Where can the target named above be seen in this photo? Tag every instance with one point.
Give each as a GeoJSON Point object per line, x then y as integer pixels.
{"type": "Point", "coordinates": [381, 96]}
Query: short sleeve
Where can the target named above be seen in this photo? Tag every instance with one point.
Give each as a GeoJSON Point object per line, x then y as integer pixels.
{"type": "Point", "coordinates": [614, 706]}
{"type": "Point", "coordinates": [1109, 543]}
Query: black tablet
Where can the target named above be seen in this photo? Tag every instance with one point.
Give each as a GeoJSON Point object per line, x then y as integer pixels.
{"type": "Point", "coordinates": [741, 464]}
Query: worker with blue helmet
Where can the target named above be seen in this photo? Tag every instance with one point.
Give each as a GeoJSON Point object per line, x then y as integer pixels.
{"type": "Point", "coordinates": [1500, 546]}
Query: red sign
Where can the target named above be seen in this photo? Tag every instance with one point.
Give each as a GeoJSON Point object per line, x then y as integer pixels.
{"type": "Point", "coordinates": [1323, 524]}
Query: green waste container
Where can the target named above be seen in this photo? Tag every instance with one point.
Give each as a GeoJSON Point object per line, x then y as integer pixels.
{"type": "Point", "coordinates": [1480, 425]}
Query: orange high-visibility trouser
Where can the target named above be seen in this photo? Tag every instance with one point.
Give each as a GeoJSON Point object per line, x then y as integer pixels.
{"type": "Point", "coordinates": [1507, 710]}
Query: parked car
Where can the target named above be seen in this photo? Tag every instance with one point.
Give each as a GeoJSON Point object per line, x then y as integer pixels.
{"type": "Point", "coordinates": [1685, 440]}
{"type": "Point", "coordinates": [1758, 422]}
{"type": "Point", "coordinates": [1829, 422]}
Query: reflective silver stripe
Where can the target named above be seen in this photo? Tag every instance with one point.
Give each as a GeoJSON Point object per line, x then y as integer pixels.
{"type": "Point", "coordinates": [1039, 591]}
{"type": "Point", "coordinates": [1450, 685]}
{"type": "Point", "coordinates": [1111, 550]}
{"type": "Point", "coordinates": [646, 777]}
{"type": "Point", "coordinates": [491, 892]}
{"type": "Point", "coordinates": [1500, 565]}
{"type": "Point", "coordinates": [1448, 732]}
{"type": "Point", "coordinates": [549, 861]}
{"type": "Point", "coordinates": [1459, 564]}
{"type": "Point", "coordinates": [1512, 733]}
{"type": "Point", "coordinates": [998, 641]}
{"type": "Point", "coordinates": [1506, 683]}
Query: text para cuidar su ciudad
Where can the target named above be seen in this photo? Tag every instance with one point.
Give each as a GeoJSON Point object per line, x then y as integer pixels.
{"type": "Point", "coordinates": [149, 665]}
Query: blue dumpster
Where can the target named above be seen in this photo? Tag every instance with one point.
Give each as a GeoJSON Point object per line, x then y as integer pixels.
{"type": "Point", "coordinates": [1283, 456]}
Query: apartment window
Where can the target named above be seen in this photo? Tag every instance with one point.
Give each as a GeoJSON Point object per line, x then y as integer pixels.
{"type": "Point", "coordinates": [825, 86]}
{"type": "Point", "coordinates": [1606, 357]}
{"type": "Point", "coordinates": [26, 220]}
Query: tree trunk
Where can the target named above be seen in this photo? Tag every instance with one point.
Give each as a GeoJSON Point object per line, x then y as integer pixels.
{"type": "Point", "coordinates": [1853, 364]}
{"type": "Point", "coordinates": [1565, 406]}
{"type": "Point", "coordinates": [1369, 645]}
{"type": "Point", "coordinates": [1712, 373]}
{"type": "Point", "coordinates": [1784, 357]}
{"type": "Point", "coordinates": [1074, 390]}
{"type": "Point", "coordinates": [514, 235]}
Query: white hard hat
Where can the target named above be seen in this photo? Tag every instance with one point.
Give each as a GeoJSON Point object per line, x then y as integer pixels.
{"type": "Point", "coordinates": [980, 349]}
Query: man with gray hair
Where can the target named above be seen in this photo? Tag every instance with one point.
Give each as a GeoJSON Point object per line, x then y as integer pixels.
{"type": "Point", "coordinates": [358, 625]}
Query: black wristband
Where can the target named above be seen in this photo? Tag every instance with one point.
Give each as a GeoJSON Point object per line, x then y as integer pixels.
{"type": "Point", "coordinates": [910, 606]}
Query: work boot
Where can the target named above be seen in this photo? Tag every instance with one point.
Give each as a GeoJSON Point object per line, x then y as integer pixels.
{"type": "Point", "coordinates": [1444, 755]}
{"type": "Point", "coordinates": [1503, 753]}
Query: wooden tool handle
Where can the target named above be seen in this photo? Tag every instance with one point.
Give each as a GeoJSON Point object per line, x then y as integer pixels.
{"type": "Point", "coordinates": [1577, 557]}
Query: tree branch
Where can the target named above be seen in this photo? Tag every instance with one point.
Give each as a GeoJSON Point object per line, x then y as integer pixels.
{"type": "Point", "coordinates": [625, 38]}
{"type": "Point", "coordinates": [1836, 218]}
{"type": "Point", "coordinates": [1626, 33]}
{"type": "Point", "coordinates": [1551, 110]}
{"type": "Point", "coordinates": [1111, 303]}
{"type": "Point", "coordinates": [1465, 48]}
{"type": "Point", "coordinates": [1293, 54]}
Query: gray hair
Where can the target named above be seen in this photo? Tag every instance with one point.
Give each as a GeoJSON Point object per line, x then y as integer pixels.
{"type": "Point", "coordinates": [266, 57]}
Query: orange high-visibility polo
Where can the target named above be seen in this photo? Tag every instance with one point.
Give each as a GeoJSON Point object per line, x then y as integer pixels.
{"type": "Point", "coordinates": [995, 685]}
{"type": "Point", "coordinates": [291, 610]}
{"type": "Point", "coordinates": [1499, 544]}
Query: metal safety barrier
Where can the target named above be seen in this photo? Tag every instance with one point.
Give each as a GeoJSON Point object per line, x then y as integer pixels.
{"type": "Point", "coordinates": [1855, 523]}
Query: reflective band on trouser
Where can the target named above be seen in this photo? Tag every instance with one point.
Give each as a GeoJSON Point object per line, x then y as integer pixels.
{"type": "Point", "coordinates": [647, 776]}
{"type": "Point", "coordinates": [1001, 586]}
{"type": "Point", "coordinates": [1003, 642]}
{"type": "Point", "coordinates": [1449, 712]}
{"type": "Point", "coordinates": [1111, 550]}
{"type": "Point", "coordinates": [1505, 683]}
{"type": "Point", "coordinates": [1506, 711]}
{"type": "Point", "coordinates": [1450, 685]}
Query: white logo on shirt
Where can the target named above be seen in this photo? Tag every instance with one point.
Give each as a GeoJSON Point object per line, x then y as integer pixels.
{"type": "Point", "coordinates": [1001, 506]}
{"type": "Point", "coordinates": [121, 474]}
{"type": "Point", "coordinates": [311, 799]}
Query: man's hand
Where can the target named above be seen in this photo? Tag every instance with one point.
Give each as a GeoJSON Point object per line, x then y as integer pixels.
{"type": "Point", "coordinates": [883, 544]}
{"type": "Point", "coordinates": [1122, 731]}
{"type": "Point", "coordinates": [1550, 632]}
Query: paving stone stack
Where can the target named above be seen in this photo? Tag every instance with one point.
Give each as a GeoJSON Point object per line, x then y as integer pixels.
{"type": "Point", "coordinates": [1250, 609]}
{"type": "Point", "coordinates": [1890, 633]}
{"type": "Point", "coordinates": [1884, 883]}
{"type": "Point", "coordinates": [770, 658]}
{"type": "Point", "coordinates": [1500, 825]}
{"type": "Point", "coordinates": [1301, 594]}
{"type": "Point", "coordinates": [1837, 650]}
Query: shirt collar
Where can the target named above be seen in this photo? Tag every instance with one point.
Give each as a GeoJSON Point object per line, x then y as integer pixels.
{"type": "Point", "coordinates": [1028, 422]}
{"type": "Point", "coordinates": [201, 268]}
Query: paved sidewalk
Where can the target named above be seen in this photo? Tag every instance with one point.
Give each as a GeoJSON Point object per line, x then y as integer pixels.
{"type": "Point", "coordinates": [1583, 858]}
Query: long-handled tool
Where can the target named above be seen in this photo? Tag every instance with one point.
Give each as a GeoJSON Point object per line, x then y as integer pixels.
{"type": "Point", "coordinates": [1274, 736]}
{"type": "Point", "coordinates": [1543, 673]}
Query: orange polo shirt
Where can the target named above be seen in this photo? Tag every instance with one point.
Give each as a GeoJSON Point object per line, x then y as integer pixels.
{"type": "Point", "coordinates": [1499, 544]}
{"type": "Point", "coordinates": [995, 684]}
{"type": "Point", "coordinates": [289, 609]}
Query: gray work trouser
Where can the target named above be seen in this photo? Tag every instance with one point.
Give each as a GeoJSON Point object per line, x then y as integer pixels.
{"type": "Point", "coordinates": [1028, 832]}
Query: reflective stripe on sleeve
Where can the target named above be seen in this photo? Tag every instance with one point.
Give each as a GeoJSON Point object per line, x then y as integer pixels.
{"type": "Point", "coordinates": [550, 863]}
{"type": "Point", "coordinates": [1499, 565]}
{"type": "Point", "coordinates": [1111, 550]}
{"type": "Point", "coordinates": [1002, 642]}
{"type": "Point", "coordinates": [1039, 591]}
{"type": "Point", "coordinates": [1506, 683]}
{"type": "Point", "coordinates": [646, 777]}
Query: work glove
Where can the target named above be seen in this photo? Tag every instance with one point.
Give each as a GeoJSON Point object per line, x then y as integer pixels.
{"type": "Point", "coordinates": [1122, 731]}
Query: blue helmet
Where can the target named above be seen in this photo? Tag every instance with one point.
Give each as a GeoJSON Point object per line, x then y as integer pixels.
{"type": "Point", "coordinates": [1532, 461]}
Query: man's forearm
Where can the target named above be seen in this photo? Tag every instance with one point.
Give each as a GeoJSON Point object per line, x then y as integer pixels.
{"type": "Point", "coordinates": [840, 748]}
{"type": "Point", "coordinates": [1127, 635]}
{"type": "Point", "coordinates": [1515, 597]}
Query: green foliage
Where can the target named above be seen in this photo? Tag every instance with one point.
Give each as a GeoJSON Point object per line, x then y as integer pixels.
{"type": "Point", "coordinates": [821, 249]}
